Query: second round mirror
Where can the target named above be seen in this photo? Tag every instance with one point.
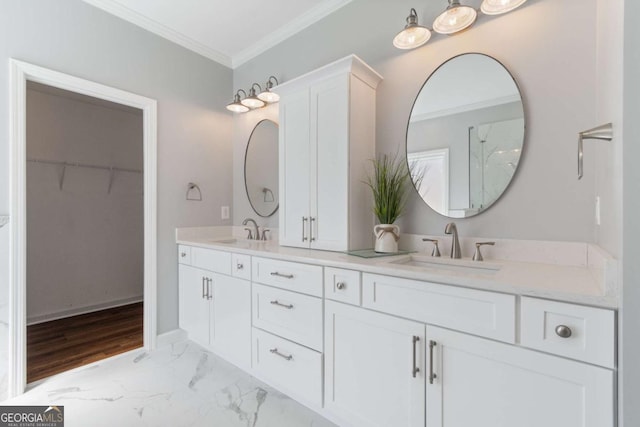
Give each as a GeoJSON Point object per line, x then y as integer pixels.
{"type": "Point", "coordinates": [465, 135]}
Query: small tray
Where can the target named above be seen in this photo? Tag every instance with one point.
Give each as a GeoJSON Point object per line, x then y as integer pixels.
{"type": "Point", "coordinates": [370, 253]}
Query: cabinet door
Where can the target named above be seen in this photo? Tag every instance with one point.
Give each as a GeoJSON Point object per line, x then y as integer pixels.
{"type": "Point", "coordinates": [329, 144]}
{"type": "Point", "coordinates": [193, 306]}
{"type": "Point", "coordinates": [484, 383]}
{"type": "Point", "coordinates": [369, 367]}
{"type": "Point", "coordinates": [294, 169]}
{"type": "Point", "coordinates": [230, 329]}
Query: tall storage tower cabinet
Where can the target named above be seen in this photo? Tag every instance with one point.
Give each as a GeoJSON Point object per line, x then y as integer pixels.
{"type": "Point", "coordinates": [327, 139]}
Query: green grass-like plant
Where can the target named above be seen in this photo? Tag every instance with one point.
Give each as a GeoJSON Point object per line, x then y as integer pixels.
{"type": "Point", "coordinates": [389, 185]}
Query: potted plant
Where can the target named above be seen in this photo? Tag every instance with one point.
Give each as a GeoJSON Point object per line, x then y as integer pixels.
{"type": "Point", "coordinates": [388, 183]}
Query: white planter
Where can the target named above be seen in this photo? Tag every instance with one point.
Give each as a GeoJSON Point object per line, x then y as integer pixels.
{"type": "Point", "coordinates": [387, 236]}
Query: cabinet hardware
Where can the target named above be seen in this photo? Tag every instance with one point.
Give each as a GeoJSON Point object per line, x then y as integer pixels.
{"type": "Point", "coordinates": [286, 276]}
{"type": "Point", "coordinates": [312, 220]}
{"type": "Point", "coordinates": [209, 284]}
{"type": "Point", "coordinates": [183, 254]}
{"type": "Point", "coordinates": [341, 285]}
{"type": "Point", "coordinates": [563, 331]}
{"type": "Point", "coordinates": [415, 369]}
{"type": "Point", "coordinates": [203, 291]}
{"type": "Point", "coordinates": [278, 303]}
{"type": "Point", "coordinates": [432, 374]}
{"type": "Point", "coordinates": [304, 229]}
{"type": "Point", "coordinates": [277, 353]}
{"type": "Point", "coordinates": [239, 266]}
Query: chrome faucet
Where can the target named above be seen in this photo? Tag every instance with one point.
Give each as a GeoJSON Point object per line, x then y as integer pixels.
{"type": "Point", "coordinates": [256, 234]}
{"type": "Point", "coordinates": [455, 243]}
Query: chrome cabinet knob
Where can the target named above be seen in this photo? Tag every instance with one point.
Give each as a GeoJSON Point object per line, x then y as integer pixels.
{"type": "Point", "coordinates": [341, 285]}
{"type": "Point", "coordinates": [239, 266]}
{"type": "Point", "coordinates": [183, 254]}
{"type": "Point", "coordinates": [563, 331]}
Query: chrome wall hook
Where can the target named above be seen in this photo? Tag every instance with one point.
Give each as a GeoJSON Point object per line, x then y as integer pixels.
{"type": "Point", "coordinates": [601, 133]}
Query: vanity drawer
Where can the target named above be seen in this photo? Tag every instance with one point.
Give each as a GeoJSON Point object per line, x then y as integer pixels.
{"type": "Point", "coordinates": [241, 266]}
{"type": "Point", "coordinates": [488, 314]}
{"type": "Point", "coordinates": [295, 369]}
{"type": "Point", "coordinates": [184, 254]}
{"type": "Point", "coordinates": [574, 331]}
{"type": "Point", "coordinates": [209, 259]}
{"type": "Point", "coordinates": [342, 285]}
{"type": "Point", "coordinates": [291, 315]}
{"type": "Point", "coordinates": [292, 276]}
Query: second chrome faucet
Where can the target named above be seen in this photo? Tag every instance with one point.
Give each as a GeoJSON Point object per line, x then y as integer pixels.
{"type": "Point", "coordinates": [455, 243]}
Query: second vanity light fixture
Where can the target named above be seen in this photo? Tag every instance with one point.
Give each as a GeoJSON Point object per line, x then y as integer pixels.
{"type": "Point", "coordinates": [253, 101]}
{"type": "Point", "coordinates": [456, 18]}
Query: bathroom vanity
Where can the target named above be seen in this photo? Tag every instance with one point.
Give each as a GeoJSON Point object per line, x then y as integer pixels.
{"type": "Point", "coordinates": [406, 340]}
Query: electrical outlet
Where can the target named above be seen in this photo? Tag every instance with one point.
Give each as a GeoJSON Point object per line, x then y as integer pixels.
{"type": "Point", "coordinates": [224, 212]}
{"type": "Point", "coordinates": [597, 210]}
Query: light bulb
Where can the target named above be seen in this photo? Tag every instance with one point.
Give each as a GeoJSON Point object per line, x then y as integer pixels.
{"type": "Point", "coordinates": [413, 35]}
{"type": "Point", "coordinates": [455, 19]}
{"type": "Point", "coordinates": [498, 7]}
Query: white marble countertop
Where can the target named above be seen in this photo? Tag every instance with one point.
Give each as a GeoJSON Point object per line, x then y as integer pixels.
{"type": "Point", "coordinates": [570, 283]}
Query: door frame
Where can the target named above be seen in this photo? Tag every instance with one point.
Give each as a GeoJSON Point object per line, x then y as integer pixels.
{"type": "Point", "coordinates": [20, 73]}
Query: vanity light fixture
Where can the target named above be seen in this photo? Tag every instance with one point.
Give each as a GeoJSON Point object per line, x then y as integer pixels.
{"type": "Point", "coordinates": [498, 7]}
{"type": "Point", "coordinates": [413, 35]}
{"type": "Point", "coordinates": [267, 95]}
{"type": "Point", "coordinates": [252, 101]}
{"type": "Point", "coordinates": [455, 18]}
{"type": "Point", "coordinates": [236, 106]}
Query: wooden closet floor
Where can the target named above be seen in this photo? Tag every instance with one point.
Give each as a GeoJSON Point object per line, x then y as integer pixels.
{"type": "Point", "coordinates": [60, 345]}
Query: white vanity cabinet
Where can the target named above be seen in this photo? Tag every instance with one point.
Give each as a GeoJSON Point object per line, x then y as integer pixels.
{"type": "Point", "coordinates": [478, 382]}
{"type": "Point", "coordinates": [215, 308]}
{"type": "Point", "coordinates": [327, 135]}
{"type": "Point", "coordinates": [374, 367]}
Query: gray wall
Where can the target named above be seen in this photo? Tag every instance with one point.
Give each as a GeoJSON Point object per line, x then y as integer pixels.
{"type": "Point", "coordinates": [85, 243]}
{"type": "Point", "coordinates": [194, 129]}
{"type": "Point", "coordinates": [554, 64]}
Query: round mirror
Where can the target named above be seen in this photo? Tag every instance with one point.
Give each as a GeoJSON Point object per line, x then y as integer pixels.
{"type": "Point", "coordinates": [465, 135]}
{"type": "Point", "coordinates": [261, 168]}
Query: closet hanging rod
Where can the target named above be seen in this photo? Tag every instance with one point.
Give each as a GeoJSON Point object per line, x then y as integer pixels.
{"type": "Point", "coordinates": [83, 165]}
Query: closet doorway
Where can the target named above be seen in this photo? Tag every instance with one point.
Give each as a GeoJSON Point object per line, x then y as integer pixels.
{"type": "Point", "coordinates": [85, 230]}
{"type": "Point", "coordinates": [83, 175]}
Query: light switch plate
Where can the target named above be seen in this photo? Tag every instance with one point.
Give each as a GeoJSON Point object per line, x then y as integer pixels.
{"type": "Point", "coordinates": [224, 212]}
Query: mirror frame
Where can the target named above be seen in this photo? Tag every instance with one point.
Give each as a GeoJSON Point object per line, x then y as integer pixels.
{"type": "Point", "coordinates": [524, 133]}
{"type": "Point", "coordinates": [246, 188]}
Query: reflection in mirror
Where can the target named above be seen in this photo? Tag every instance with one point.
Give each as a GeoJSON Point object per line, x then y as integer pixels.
{"type": "Point", "coordinates": [261, 168]}
{"type": "Point", "coordinates": [465, 135]}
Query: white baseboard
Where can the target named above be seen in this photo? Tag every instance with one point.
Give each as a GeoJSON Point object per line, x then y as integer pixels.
{"type": "Point", "coordinates": [82, 310]}
{"type": "Point", "coordinates": [170, 337]}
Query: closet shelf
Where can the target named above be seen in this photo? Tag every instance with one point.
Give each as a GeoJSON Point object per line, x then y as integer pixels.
{"type": "Point", "coordinates": [64, 165]}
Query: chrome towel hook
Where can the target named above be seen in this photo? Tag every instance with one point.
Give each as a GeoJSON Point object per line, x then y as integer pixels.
{"type": "Point", "coordinates": [602, 133]}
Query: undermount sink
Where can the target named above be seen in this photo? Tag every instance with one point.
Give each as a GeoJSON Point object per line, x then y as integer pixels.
{"type": "Point", "coordinates": [431, 263]}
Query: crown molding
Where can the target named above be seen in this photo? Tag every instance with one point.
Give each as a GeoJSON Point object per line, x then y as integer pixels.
{"type": "Point", "coordinates": [465, 108]}
{"type": "Point", "coordinates": [284, 32]}
{"type": "Point", "coordinates": [161, 30]}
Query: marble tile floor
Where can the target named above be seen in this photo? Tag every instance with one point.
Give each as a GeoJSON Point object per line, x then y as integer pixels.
{"type": "Point", "coordinates": [178, 385]}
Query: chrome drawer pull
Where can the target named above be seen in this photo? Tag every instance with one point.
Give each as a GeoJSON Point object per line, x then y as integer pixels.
{"type": "Point", "coordinates": [183, 254]}
{"type": "Point", "coordinates": [239, 266]}
{"type": "Point", "coordinates": [204, 294]}
{"type": "Point", "coordinates": [311, 221]}
{"type": "Point", "coordinates": [286, 276]}
{"type": "Point", "coordinates": [304, 229]}
{"type": "Point", "coordinates": [563, 331]}
{"type": "Point", "coordinates": [415, 369]}
{"type": "Point", "coordinates": [277, 353]}
{"type": "Point", "coordinates": [341, 285]}
{"type": "Point", "coordinates": [432, 374]}
{"type": "Point", "coordinates": [278, 303]}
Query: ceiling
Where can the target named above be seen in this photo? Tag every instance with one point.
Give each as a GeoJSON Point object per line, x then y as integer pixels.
{"type": "Point", "coordinates": [230, 32]}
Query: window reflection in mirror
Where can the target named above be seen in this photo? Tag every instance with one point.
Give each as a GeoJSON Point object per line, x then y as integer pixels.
{"type": "Point", "coordinates": [261, 168]}
{"type": "Point", "coordinates": [465, 135]}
